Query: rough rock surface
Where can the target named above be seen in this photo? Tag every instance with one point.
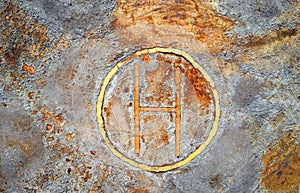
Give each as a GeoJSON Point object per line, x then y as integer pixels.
{"type": "Point", "coordinates": [55, 55]}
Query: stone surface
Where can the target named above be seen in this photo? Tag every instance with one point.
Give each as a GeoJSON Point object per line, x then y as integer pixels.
{"type": "Point", "coordinates": [55, 55]}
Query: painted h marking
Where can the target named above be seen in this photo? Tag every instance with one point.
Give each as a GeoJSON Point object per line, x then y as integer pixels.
{"type": "Point", "coordinates": [138, 109]}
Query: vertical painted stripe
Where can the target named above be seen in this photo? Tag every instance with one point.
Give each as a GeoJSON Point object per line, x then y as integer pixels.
{"type": "Point", "coordinates": [136, 109]}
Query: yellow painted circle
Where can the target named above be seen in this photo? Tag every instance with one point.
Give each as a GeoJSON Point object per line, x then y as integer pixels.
{"type": "Point", "coordinates": [191, 156]}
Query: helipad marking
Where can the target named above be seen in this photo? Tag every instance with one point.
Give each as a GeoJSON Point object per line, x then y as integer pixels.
{"type": "Point", "coordinates": [138, 109]}
{"type": "Point", "coordinates": [191, 156]}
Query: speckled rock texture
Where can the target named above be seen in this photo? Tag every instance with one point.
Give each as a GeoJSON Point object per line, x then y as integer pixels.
{"type": "Point", "coordinates": [55, 55]}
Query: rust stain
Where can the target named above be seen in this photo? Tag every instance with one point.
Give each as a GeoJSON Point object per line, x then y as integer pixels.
{"type": "Point", "coordinates": [185, 17]}
{"type": "Point", "coordinates": [30, 95]}
{"type": "Point", "coordinates": [101, 178]}
{"type": "Point", "coordinates": [148, 118]}
{"type": "Point", "coordinates": [69, 171]}
{"type": "Point", "coordinates": [28, 69]}
{"type": "Point", "coordinates": [146, 58]}
{"type": "Point", "coordinates": [50, 139]}
{"type": "Point", "coordinates": [47, 114]}
{"type": "Point", "coordinates": [48, 127]}
{"type": "Point", "coordinates": [62, 43]}
{"type": "Point", "coordinates": [59, 118]}
{"type": "Point", "coordinates": [281, 165]}
{"type": "Point", "coordinates": [53, 123]}
{"type": "Point", "coordinates": [70, 136]}
{"type": "Point", "coordinates": [107, 110]}
{"type": "Point", "coordinates": [12, 56]}
{"type": "Point", "coordinates": [88, 175]}
{"type": "Point", "coordinates": [161, 93]}
{"type": "Point", "coordinates": [21, 35]}
{"type": "Point", "coordinates": [199, 83]}
{"type": "Point", "coordinates": [93, 152]}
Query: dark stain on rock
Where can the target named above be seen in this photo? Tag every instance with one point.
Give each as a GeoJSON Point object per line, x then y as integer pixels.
{"type": "Point", "coordinates": [270, 37]}
{"type": "Point", "coordinates": [12, 55]}
{"type": "Point", "coordinates": [215, 181]}
{"type": "Point", "coordinates": [21, 35]}
{"type": "Point", "coordinates": [245, 92]}
{"type": "Point", "coordinates": [21, 143]}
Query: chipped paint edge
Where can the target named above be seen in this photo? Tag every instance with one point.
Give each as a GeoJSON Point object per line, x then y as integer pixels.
{"type": "Point", "coordinates": [189, 157]}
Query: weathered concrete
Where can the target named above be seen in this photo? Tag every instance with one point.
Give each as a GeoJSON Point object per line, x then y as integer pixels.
{"type": "Point", "coordinates": [54, 58]}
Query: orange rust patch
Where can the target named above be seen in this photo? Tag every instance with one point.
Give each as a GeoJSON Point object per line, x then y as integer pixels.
{"type": "Point", "coordinates": [62, 43]}
{"type": "Point", "coordinates": [30, 95]}
{"type": "Point", "coordinates": [59, 118]}
{"type": "Point", "coordinates": [70, 136]}
{"type": "Point", "coordinates": [47, 114]}
{"type": "Point", "coordinates": [48, 127]}
{"type": "Point", "coordinates": [146, 59]}
{"type": "Point", "coordinates": [21, 34]}
{"type": "Point", "coordinates": [161, 94]}
{"type": "Point", "coordinates": [148, 118]}
{"type": "Point", "coordinates": [281, 165]}
{"type": "Point", "coordinates": [50, 117]}
{"type": "Point", "coordinates": [185, 17]}
{"type": "Point", "coordinates": [28, 69]}
{"type": "Point", "coordinates": [107, 110]}
{"type": "Point", "coordinates": [199, 83]}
